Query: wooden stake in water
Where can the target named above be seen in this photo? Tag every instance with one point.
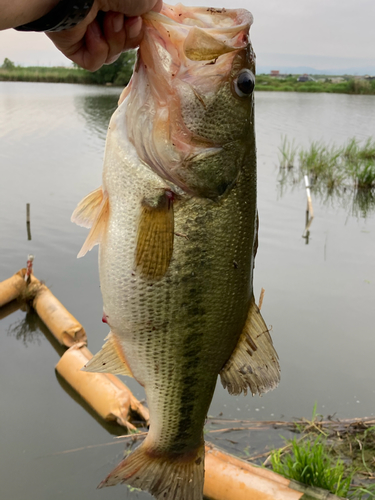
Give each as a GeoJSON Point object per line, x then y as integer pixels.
{"type": "Point", "coordinates": [28, 221]}
{"type": "Point", "coordinates": [309, 210]}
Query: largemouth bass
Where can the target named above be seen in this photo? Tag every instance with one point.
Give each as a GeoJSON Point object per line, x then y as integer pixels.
{"type": "Point", "coordinates": [176, 220]}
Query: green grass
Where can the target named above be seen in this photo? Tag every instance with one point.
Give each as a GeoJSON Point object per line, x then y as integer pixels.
{"type": "Point", "coordinates": [287, 153]}
{"type": "Point", "coordinates": [42, 74]}
{"type": "Point", "coordinates": [340, 175]}
{"type": "Point", "coordinates": [339, 459]}
{"type": "Point", "coordinates": [351, 85]}
{"type": "Point", "coordinates": [309, 462]}
{"type": "Point", "coordinates": [352, 164]}
{"type": "Point", "coordinates": [117, 73]}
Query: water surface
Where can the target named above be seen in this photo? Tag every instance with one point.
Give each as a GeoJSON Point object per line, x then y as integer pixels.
{"type": "Point", "coordinates": [319, 296]}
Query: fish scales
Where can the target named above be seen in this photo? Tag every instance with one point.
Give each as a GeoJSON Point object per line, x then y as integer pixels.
{"type": "Point", "coordinates": [174, 325]}
{"type": "Point", "coordinates": [176, 220]}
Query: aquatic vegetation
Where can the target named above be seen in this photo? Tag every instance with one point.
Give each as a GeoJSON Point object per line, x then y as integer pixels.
{"type": "Point", "coordinates": [346, 173]}
{"type": "Point", "coordinates": [287, 153]}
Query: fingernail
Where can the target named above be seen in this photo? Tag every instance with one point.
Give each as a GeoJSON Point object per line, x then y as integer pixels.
{"type": "Point", "coordinates": [95, 28]}
{"type": "Point", "coordinates": [118, 22]}
{"type": "Point", "coordinates": [134, 27]}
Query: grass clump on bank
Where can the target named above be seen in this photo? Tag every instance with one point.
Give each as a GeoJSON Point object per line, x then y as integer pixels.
{"type": "Point", "coordinates": [309, 462]}
{"type": "Point", "coordinates": [338, 456]}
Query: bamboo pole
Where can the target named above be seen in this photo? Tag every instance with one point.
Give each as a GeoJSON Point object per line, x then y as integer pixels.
{"type": "Point", "coordinates": [11, 288]}
{"type": "Point", "coordinates": [107, 395]}
{"type": "Point", "coordinates": [230, 478]}
{"type": "Point", "coordinates": [63, 325]}
{"type": "Point", "coordinates": [309, 210]}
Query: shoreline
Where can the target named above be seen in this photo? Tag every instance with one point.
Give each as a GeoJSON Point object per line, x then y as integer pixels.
{"type": "Point", "coordinates": [323, 84]}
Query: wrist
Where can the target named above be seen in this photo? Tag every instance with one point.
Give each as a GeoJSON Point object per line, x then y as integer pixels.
{"type": "Point", "coordinates": [63, 16]}
{"type": "Point", "coordinates": [16, 12]}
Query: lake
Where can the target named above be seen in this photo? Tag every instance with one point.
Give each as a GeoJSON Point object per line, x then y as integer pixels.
{"type": "Point", "coordinates": [319, 294]}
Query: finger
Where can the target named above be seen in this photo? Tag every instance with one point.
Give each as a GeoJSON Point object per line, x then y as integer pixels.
{"type": "Point", "coordinates": [130, 8]}
{"type": "Point", "coordinates": [114, 34]}
{"type": "Point", "coordinates": [94, 51]}
{"type": "Point", "coordinates": [134, 32]}
{"type": "Point", "coordinates": [158, 6]}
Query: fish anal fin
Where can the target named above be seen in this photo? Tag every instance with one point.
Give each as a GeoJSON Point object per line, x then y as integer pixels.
{"type": "Point", "coordinates": [98, 228]}
{"type": "Point", "coordinates": [110, 359]}
{"type": "Point", "coordinates": [254, 362]}
{"type": "Point", "coordinates": [165, 476]}
{"type": "Point", "coordinates": [155, 237]}
{"type": "Point", "coordinates": [87, 209]}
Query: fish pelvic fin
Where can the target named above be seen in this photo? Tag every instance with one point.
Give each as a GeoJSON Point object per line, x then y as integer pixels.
{"type": "Point", "coordinates": [110, 359]}
{"type": "Point", "coordinates": [97, 219]}
{"type": "Point", "coordinates": [87, 209]}
{"type": "Point", "coordinates": [254, 362]}
{"type": "Point", "coordinates": [166, 476]}
{"type": "Point", "coordinates": [155, 237]}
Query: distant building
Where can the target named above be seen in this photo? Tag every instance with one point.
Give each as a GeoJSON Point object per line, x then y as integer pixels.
{"type": "Point", "coordinates": [306, 78]}
{"type": "Point", "coordinates": [275, 73]}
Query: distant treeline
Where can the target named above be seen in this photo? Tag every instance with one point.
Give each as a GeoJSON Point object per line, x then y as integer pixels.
{"type": "Point", "coordinates": [337, 85]}
{"type": "Point", "coordinates": [117, 73]}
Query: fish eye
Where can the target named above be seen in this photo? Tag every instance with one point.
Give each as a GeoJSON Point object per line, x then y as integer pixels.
{"type": "Point", "coordinates": [244, 83]}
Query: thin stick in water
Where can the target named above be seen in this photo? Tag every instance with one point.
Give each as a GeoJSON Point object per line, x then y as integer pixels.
{"type": "Point", "coordinates": [28, 221]}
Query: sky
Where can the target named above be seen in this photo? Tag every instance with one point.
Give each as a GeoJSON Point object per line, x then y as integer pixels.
{"type": "Point", "coordinates": [323, 34]}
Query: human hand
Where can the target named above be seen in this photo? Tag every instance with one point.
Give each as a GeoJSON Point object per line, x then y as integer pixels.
{"type": "Point", "coordinates": [91, 44]}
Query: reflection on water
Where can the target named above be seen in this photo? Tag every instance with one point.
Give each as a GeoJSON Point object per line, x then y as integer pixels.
{"type": "Point", "coordinates": [111, 427]}
{"type": "Point", "coordinates": [363, 203]}
{"type": "Point", "coordinates": [357, 202]}
{"type": "Point", "coordinates": [97, 110]}
{"type": "Point", "coordinates": [27, 328]}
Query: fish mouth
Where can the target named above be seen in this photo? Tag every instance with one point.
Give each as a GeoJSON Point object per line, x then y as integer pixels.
{"type": "Point", "coordinates": [223, 23]}
{"type": "Point", "coordinates": [184, 58]}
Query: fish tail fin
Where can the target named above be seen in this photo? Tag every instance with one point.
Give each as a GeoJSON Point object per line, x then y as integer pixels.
{"type": "Point", "coordinates": [166, 476]}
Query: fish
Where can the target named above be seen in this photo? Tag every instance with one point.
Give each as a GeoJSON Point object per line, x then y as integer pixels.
{"type": "Point", "coordinates": [176, 222]}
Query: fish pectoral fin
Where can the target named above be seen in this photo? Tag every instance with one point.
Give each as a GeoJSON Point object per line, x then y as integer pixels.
{"type": "Point", "coordinates": [98, 227]}
{"type": "Point", "coordinates": [155, 237]}
{"type": "Point", "coordinates": [87, 209]}
{"type": "Point", "coordinates": [254, 362]}
{"type": "Point", "coordinates": [165, 476]}
{"type": "Point", "coordinates": [110, 359]}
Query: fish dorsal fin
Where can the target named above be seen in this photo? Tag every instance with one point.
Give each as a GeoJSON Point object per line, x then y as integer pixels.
{"type": "Point", "coordinates": [98, 228]}
{"type": "Point", "coordinates": [110, 359]}
{"type": "Point", "coordinates": [200, 46]}
{"type": "Point", "coordinates": [254, 362]}
{"type": "Point", "coordinates": [155, 237]}
{"type": "Point", "coordinates": [87, 209]}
